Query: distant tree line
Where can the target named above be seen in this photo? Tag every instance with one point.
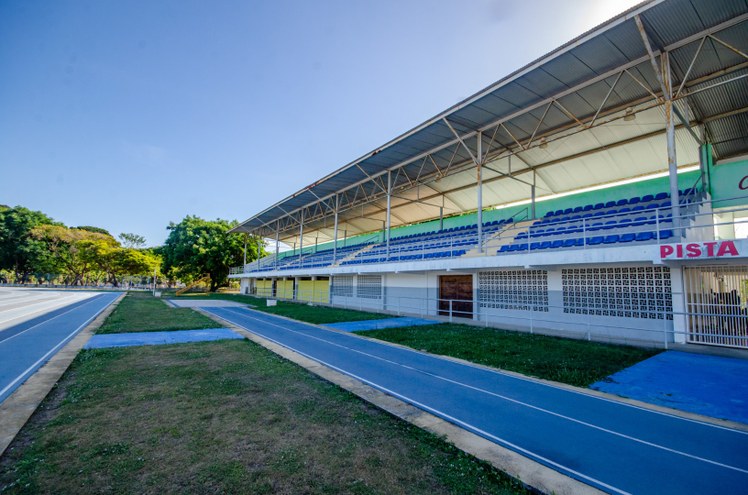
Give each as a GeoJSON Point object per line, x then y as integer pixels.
{"type": "Point", "coordinates": [34, 248]}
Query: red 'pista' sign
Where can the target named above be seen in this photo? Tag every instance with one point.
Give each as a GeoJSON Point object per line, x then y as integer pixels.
{"type": "Point", "coordinates": [709, 249]}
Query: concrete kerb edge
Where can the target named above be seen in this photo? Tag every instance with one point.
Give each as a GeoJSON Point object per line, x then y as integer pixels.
{"type": "Point", "coordinates": [528, 472]}
{"type": "Point", "coordinates": [16, 410]}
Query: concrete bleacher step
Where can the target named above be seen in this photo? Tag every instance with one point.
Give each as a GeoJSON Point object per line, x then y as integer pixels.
{"type": "Point", "coordinates": [368, 247]}
{"type": "Point", "coordinates": [500, 238]}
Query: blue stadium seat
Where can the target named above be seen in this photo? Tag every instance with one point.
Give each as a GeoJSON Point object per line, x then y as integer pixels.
{"type": "Point", "coordinates": [588, 208]}
{"type": "Point", "coordinates": [634, 200]}
{"type": "Point", "coordinates": [622, 202]}
{"type": "Point", "coordinates": [661, 195]}
{"type": "Point", "coordinates": [557, 244]}
{"type": "Point", "coordinates": [666, 234]}
{"type": "Point", "coordinates": [627, 237]}
{"type": "Point", "coordinates": [610, 204]}
{"type": "Point", "coordinates": [593, 241]}
{"type": "Point", "coordinates": [647, 198]}
{"type": "Point", "coordinates": [599, 206]}
{"type": "Point", "coordinates": [610, 224]}
{"type": "Point", "coordinates": [610, 239]}
{"type": "Point", "coordinates": [578, 209]}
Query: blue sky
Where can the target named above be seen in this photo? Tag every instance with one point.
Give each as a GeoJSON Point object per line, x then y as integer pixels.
{"type": "Point", "coordinates": [130, 114]}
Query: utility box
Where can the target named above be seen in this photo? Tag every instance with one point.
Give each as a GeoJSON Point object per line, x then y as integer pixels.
{"type": "Point", "coordinates": [271, 302]}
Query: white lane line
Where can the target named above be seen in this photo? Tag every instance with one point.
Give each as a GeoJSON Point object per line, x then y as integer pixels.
{"type": "Point", "coordinates": [515, 401]}
{"type": "Point", "coordinates": [50, 319]}
{"type": "Point", "coordinates": [45, 306]}
{"type": "Point", "coordinates": [544, 384]}
{"type": "Point", "coordinates": [31, 368]}
{"type": "Point", "coordinates": [444, 415]}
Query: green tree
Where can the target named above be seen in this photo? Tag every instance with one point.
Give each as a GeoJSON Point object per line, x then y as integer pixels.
{"type": "Point", "coordinates": [132, 240]}
{"type": "Point", "coordinates": [20, 252]}
{"type": "Point", "coordinates": [73, 253]}
{"type": "Point", "coordinates": [196, 248]}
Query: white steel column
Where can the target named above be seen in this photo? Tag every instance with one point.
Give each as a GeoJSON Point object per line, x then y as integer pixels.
{"type": "Point", "coordinates": [301, 236]}
{"type": "Point", "coordinates": [479, 178]}
{"type": "Point", "coordinates": [532, 196]}
{"type": "Point", "coordinates": [335, 234]}
{"type": "Point", "coordinates": [246, 235]}
{"type": "Point", "coordinates": [672, 163]}
{"type": "Point", "coordinates": [277, 243]}
{"type": "Point", "coordinates": [389, 209]}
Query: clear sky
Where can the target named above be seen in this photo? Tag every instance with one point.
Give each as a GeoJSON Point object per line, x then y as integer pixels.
{"type": "Point", "coordinates": [130, 114]}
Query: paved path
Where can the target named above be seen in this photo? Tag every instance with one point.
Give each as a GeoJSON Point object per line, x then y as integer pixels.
{"type": "Point", "coordinates": [26, 346]}
{"type": "Point", "coordinates": [402, 321]}
{"type": "Point", "coordinates": [133, 339]}
{"type": "Point", "coordinates": [616, 447]}
{"type": "Point", "coordinates": [714, 386]}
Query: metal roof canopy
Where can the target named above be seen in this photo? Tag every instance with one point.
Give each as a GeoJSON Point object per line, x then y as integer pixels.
{"type": "Point", "coordinates": [543, 124]}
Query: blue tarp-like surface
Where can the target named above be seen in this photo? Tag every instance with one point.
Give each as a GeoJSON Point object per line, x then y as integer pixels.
{"type": "Point", "coordinates": [159, 338]}
{"type": "Point", "coordinates": [710, 385]}
{"type": "Point", "coordinates": [356, 326]}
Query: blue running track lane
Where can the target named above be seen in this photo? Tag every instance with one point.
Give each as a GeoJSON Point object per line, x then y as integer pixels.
{"type": "Point", "coordinates": [616, 447]}
{"type": "Point", "coordinates": [25, 347]}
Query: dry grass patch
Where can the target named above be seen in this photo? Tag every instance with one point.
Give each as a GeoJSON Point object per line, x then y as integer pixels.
{"type": "Point", "coordinates": [224, 417]}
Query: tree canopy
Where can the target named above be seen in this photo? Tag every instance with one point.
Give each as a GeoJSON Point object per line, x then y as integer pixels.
{"type": "Point", "coordinates": [34, 245]}
{"type": "Point", "coordinates": [20, 252]}
{"type": "Point", "coordinates": [196, 248]}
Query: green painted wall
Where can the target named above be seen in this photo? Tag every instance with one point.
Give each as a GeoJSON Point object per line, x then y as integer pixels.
{"type": "Point", "coordinates": [726, 181]}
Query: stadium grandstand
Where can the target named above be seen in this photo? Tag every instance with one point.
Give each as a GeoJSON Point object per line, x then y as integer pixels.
{"type": "Point", "coordinates": [599, 192]}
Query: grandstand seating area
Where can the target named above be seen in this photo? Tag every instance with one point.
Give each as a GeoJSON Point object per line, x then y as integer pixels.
{"type": "Point", "coordinates": [639, 219]}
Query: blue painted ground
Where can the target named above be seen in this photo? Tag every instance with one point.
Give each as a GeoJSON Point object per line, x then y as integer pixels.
{"type": "Point", "coordinates": [613, 446]}
{"type": "Point", "coordinates": [159, 338]}
{"type": "Point", "coordinates": [357, 326]}
{"type": "Point", "coordinates": [26, 347]}
{"type": "Point", "coordinates": [710, 385]}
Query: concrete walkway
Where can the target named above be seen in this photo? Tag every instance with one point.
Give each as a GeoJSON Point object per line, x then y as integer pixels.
{"type": "Point", "coordinates": [710, 385]}
{"type": "Point", "coordinates": [613, 446]}
{"type": "Point", "coordinates": [358, 326]}
{"type": "Point", "coordinates": [160, 338]}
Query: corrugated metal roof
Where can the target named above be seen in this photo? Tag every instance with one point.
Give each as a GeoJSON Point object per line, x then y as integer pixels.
{"type": "Point", "coordinates": [547, 99]}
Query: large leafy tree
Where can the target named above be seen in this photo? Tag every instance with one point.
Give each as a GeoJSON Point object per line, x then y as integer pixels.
{"type": "Point", "coordinates": [20, 251]}
{"type": "Point", "coordinates": [73, 253]}
{"type": "Point", "coordinates": [197, 248]}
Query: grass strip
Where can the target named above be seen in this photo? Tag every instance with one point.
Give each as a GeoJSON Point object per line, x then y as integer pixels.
{"type": "Point", "coordinates": [224, 417]}
{"type": "Point", "coordinates": [318, 315]}
{"type": "Point", "coordinates": [141, 312]}
{"type": "Point", "coordinates": [575, 362]}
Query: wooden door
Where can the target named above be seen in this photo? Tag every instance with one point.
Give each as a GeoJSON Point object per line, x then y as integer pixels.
{"type": "Point", "coordinates": [457, 290]}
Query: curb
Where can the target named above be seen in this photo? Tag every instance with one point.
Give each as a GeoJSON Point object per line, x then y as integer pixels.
{"type": "Point", "coordinates": [533, 475]}
{"type": "Point", "coordinates": [16, 410]}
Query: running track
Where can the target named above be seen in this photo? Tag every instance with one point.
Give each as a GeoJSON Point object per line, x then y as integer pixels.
{"type": "Point", "coordinates": [25, 347]}
{"type": "Point", "coordinates": [615, 447]}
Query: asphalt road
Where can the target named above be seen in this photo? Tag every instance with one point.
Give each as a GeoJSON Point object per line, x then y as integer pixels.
{"type": "Point", "coordinates": [613, 446]}
{"type": "Point", "coordinates": [34, 325]}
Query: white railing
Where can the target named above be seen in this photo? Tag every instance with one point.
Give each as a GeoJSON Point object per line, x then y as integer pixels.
{"type": "Point", "coordinates": [725, 326]}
